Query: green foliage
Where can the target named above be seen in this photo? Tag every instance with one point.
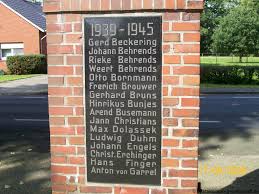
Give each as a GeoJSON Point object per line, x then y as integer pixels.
{"type": "Point", "coordinates": [238, 32]}
{"type": "Point", "coordinates": [230, 74]}
{"type": "Point", "coordinates": [2, 72]}
{"type": "Point", "coordinates": [27, 64]}
{"type": "Point", "coordinates": [214, 10]}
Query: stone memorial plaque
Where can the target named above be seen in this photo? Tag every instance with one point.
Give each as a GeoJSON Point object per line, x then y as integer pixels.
{"type": "Point", "coordinates": [123, 67]}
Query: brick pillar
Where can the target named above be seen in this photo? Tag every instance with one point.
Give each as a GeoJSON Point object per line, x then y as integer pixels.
{"type": "Point", "coordinates": [181, 80]}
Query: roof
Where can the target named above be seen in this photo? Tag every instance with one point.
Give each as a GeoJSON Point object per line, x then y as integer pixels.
{"type": "Point", "coordinates": [31, 12]}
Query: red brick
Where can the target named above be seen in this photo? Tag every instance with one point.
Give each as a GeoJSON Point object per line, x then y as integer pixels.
{"type": "Point", "coordinates": [183, 153]}
{"type": "Point", "coordinates": [78, 91]}
{"type": "Point", "coordinates": [191, 37]}
{"type": "Point", "coordinates": [190, 122]}
{"type": "Point", "coordinates": [60, 110]}
{"type": "Point", "coordinates": [158, 4]}
{"type": "Point", "coordinates": [57, 140]}
{"type": "Point", "coordinates": [170, 102]}
{"type": "Point", "coordinates": [190, 143]}
{"type": "Point", "coordinates": [58, 179]}
{"type": "Point", "coordinates": [191, 16]}
{"type": "Point", "coordinates": [195, 4]}
{"type": "Point", "coordinates": [189, 183]}
{"type": "Point", "coordinates": [54, 28]}
{"type": "Point", "coordinates": [76, 160]}
{"type": "Point", "coordinates": [186, 113]}
{"type": "Point", "coordinates": [55, 81]}
{"type": "Point", "coordinates": [166, 48]}
{"type": "Point", "coordinates": [75, 120]}
{"type": "Point", "coordinates": [74, 60]}
{"type": "Point", "coordinates": [190, 102]}
{"type": "Point", "coordinates": [187, 48]}
{"type": "Point", "coordinates": [78, 27]}
{"type": "Point", "coordinates": [58, 159]}
{"type": "Point", "coordinates": [165, 91]}
{"type": "Point", "coordinates": [51, 19]}
{"type": "Point", "coordinates": [185, 92]}
{"type": "Point", "coordinates": [183, 173]}
{"type": "Point", "coordinates": [63, 150]}
{"type": "Point", "coordinates": [166, 112]}
{"type": "Point", "coordinates": [147, 4]}
{"type": "Point", "coordinates": [171, 16]}
{"type": "Point", "coordinates": [55, 60]}
{"type": "Point", "coordinates": [181, 4]}
{"type": "Point", "coordinates": [170, 182]}
{"type": "Point", "coordinates": [189, 163]}
{"type": "Point", "coordinates": [73, 38]}
{"type": "Point", "coordinates": [136, 4]}
{"type": "Point", "coordinates": [182, 191]}
{"type": "Point", "coordinates": [60, 91]}
{"type": "Point", "coordinates": [186, 26]}
{"type": "Point", "coordinates": [105, 4]}
{"type": "Point", "coordinates": [172, 59]}
{"type": "Point", "coordinates": [85, 5]}
{"type": "Point", "coordinates": [170, 163]}
{"type": "Point", "coordinates": [116, 4]}
{"type": "Point", "coordinates": [60, 70]}
{"type": "Point", "coordinates": [130, 190]}
{"type": "Point", "coordinates": [171, 37]}
{"type": "Point", "coordinates": [95, 5]}
{"type": "Point", "coordinates": [55, 39]}
{"type": "Point", "coordinates": [75, 5]}
{"type": "Point", "coordinates": [97, 189]}
{"type": "Point", "coordinates": [76, 140]}
{"type": "Point", "coordinates": [170, 122]}
{"type": "Point", "coordinates": [50, 6]}
{"type": "Point", "coordinates": [170, 143]}
{"type": "Point", "coordinates": [186, 70]}
{"type": "Point", "coordinates": [66, 5]}
{"type": "Point", "coordinates": [165, 27]}
{"type": "Point", "coordinates": [169, 4]}
{"type": "Point", "coordinates": [74, 101]}
{"type": "Point", "coordinates": [74, 81]}
{"type": "Point", "coordinates": [191, 59]}
{"type": "Point", "coordinates": [63, 169]}
{"type": "Point", "coordinates": [185, 132]}
{"type": "Point", "coordinates": [170, 80]}
{"type": "Point", "coordinates": [57, 120]}
{"type": "Point", "coordinates": [164, 153]}
{"type": "Point", "coordinates": [166, 70]}
{"type": "Point", "coordinates": [62, 131]}
{"type": "Point", "coordinates": [60, 49]}
{"type": "Point", "coordinates": [126, 4]}
{"type": "Point", "coordinates": [158, 191]}
{"type": "Point", "coordinates": [191, 80]}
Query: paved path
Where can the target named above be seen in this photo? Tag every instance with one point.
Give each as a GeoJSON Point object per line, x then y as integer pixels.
{"type": "Point", "coordinates": [24, 145]}
{"type": "Point", "coordinates": [33, 85]}
{"type": "Point", "coordinates": [229, 141]}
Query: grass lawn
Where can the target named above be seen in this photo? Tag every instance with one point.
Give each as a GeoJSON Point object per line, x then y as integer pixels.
{"type": "Point", "coordinates": [228, 86]}
{"type": "Point", "coordinates": [5, 78]}
{"type": "Point", "coordinates": [225, 61]}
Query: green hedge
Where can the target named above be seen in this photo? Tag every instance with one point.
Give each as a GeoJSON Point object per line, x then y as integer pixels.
{"type": "Point", "coordinates": [230, 74]}
{"type": "Point", "coordinates": [27, 64]}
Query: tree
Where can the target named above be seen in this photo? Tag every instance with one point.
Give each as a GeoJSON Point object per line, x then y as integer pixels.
{"type": "Point", "coordinates": [238, 32]}
{"type": "Point", "coordinates": [214, 10]}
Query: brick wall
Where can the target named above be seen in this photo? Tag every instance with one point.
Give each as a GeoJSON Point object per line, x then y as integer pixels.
{"type": "Point", "coordinates": [14, 29]}
{"type": "Point", "coordinates": [181, 47]}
